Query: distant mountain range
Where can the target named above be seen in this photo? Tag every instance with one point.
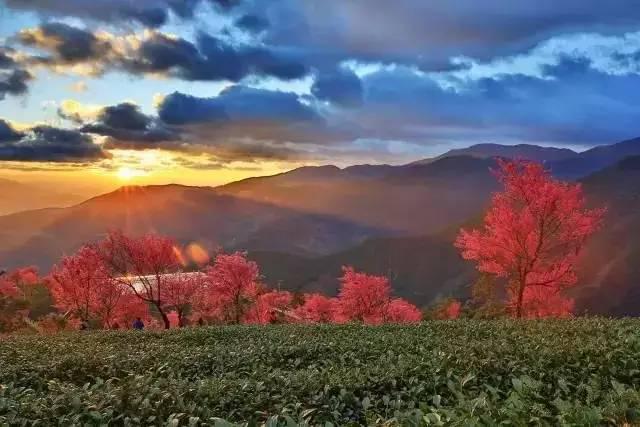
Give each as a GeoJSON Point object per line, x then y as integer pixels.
{"type": "Point", "coordinates": [303, 225]}
{"type": "Point", "coordinates": [17, 196]}
{"type": "Point", "coordinates": [563, 162]}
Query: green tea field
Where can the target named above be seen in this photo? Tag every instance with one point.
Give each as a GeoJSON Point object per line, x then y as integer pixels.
{"type": "Point", "coordinates": [551, 372]}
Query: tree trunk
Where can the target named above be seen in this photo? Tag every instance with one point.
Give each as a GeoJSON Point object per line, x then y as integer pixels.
{"type": "Point", "coordinates": [520, 298]}
{"type": "Point", "coordinates": [165, 318]}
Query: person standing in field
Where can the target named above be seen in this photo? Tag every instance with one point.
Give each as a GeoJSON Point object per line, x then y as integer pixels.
{"type": "Point", "coordinates": [138, 324]}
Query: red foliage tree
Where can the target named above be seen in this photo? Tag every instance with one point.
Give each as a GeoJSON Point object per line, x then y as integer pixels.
{"type": "Point", "coordinates": [14, 297]}
{"type": "Point", "coordinates": [81, 285]}
{"type": "Point", "coordinates": [129, 309]}
{"type": "Point", "coordinates": [363, 298]}
{"type": "Point", "coordinates": [181, 292]}
{"type": "Point", "coordinates": [532, 234]}
{"type": "Point", "coordinates": [545, 302]}
{"type": "Point", "coordinates": [317, 308]}
{"type": "Point", "coordinates": [452, 310]}
{"type": "Point", "coordinates": [402, 311]}
{"type": "Point", "coordinates": [271, 307]}
{"type": "Point", "coordinates": [145, 265]}
{"type": "Point", "coordinates": [233, 287]}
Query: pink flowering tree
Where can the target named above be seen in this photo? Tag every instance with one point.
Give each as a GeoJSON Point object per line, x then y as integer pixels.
{"type": "Point", "coordinates": [145, 265]}
{"type": "Point", "coordinates": [532, 235]}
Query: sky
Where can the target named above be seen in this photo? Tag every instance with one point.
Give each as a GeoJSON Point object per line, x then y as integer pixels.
{"type": "Point", "coordinates": [203, 92]}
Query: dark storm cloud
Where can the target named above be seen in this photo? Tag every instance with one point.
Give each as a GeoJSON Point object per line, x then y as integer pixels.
{"type": "Point", "coordinates": [5, 60]}
{"type": "Point", "coordinates": [252, 23]}
{"type": "Point", "coordinates": [208, 59]}
{"type": "Point", "coordinates": [341, 87]}
{"type": "Point", "coordinates": [431, 32]}
{"type": "Point", "coordinates": [49, 144]}
{"type": "Point", "coordinates": [575, 104]}
{"type": "Point", "coordinates": [211, 58]}
{"type": "Point", "coordinates": [128, 127]}
{"type": "Point", "coordinates": [269, 124]}
{"type": "Point", "coordinates": [149, 13]}
{"type": "Point", "coordinates": [236, 104]}
{"type": "Point", "coordinates": [67, 44]}
{"type": "Point", "coordinates": [8, 133]}
{"type": "Point", "coordinates": [14, 82]}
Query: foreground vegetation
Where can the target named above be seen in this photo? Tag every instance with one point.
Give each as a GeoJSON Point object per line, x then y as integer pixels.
{"type": "Point", "coordinates": [581, 372]}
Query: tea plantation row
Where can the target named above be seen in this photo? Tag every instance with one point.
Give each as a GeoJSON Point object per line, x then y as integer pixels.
{"type": "Point", "coordinates": [575, 372]}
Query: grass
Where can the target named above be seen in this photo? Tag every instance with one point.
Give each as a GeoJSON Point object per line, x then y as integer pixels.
{"type": "Point", "coordinates": [575, 372]}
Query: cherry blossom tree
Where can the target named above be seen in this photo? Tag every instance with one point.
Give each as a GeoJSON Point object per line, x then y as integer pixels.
{"type": "Point", "coordinates": [363, 297]}
{"type": "Point", "coordinates": [181, 292]}
{"type": "Point", "coordinates": [145, 265]}
{"type": "Point", "coordinates": [233, 287]}
{"type": "Point", "coordinates": [545, 302]}
{"type": "Point", "coordinates": [80, 285]}
{"type": "Point", "coordinates": [402, 311]}
{"type": "Point", "coordinates": [14, 302]}
{"type": "Point", "coordinates": [532, 234]}
{"type": "Point", "coordinates": [271, 307]}
{"type": "Point", "coordinates": [129, 309]}
{"type": "Point", "coordinates": [453, 309]}
{"type": "Point", "coordinates": [317, 308]}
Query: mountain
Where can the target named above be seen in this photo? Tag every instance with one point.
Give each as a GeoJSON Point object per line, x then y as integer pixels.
{"type": "Point", "coordinates": [185, 213]}
{"type": "Point", "coordinates": [564, 163]}
{"type": "Point", "coordinates": [17, 196]}
{"type": "Point", "coordinates": [303, 225]}
{"type": "Point", "coordinates": [421, 269]}
{"type": "Point", "coordinates": [425, 268]}
{"type": "Point", "coordinates": [308, 211]}
{"type": "Point", "coordinates": [595, 159]}
{"type": "Point", "coordinates": [409, 200]}
{"type": "Point", "coordinates": [520, 151]}
{"type": "Point", "coordinates": [611, 265]}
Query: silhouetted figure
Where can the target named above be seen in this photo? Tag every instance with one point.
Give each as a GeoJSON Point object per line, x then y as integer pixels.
{"type": "Point", "coordinates": [200, 322]}
{"type": "Point", "coordinates": [138, 324]}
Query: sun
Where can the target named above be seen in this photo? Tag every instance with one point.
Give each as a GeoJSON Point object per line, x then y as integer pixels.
{"type": "Point", "coordinates": [126, 173]}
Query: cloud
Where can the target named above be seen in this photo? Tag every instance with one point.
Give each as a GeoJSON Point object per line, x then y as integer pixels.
{"type": "Point", "coordinates": [209, 58]}
{"type": "Point", "coordinates": [341, 87]}
{"type": "Point", "coordinates": [67, 44]}
{"type": "Point", "coordinates": [50, 144]}
{"type": "Point", "coordinates": [237, 104]}
{"type": "Point", "coordinates": [128, 127]}
{"type": "Point", "coordinates": [413, 31]}
{"type": "Point", "coordinates": [149, 13]}
{"type": "Point", "coordinates": [252, 23]}
{"type": "Point", "coordinates": [14, 82]}
{"type": "Point", "coordinates": [244, 123]}
{"type": "Point", "coordinates": [6, 61]}
{"type": "Point", "coordinates": [572, 103]}
{"type": "Point", "coordinates": [77, 112]}
{"type": "Point", "coordinates": [8, 133]}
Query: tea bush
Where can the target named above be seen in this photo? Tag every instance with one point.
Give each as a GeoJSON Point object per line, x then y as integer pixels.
{"type": "Point", "coordinates": [552, 372]}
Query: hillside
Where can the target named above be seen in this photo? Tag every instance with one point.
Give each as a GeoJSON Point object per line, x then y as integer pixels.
{"type": "Point", "coordinates": [304, 225]}
{"type": "Point", "coordinates": [412, 199]}
{"type": "Point", "coordinates": [309, 211]}
{"type": "Point", "coordinates": [424, 268]}
{"type": "Point", "coordinates": [17, 196]}
{"type": "Point", "coordinates": [595, 159]}
{"type": "Point", "coordinates": [611, 265]}
{"type": "Point", "coordinates": [563, 162]}
{"type": "Point", "coordinates": [519, 151]}
{"type": "Point", "coordinates": [186, 213]}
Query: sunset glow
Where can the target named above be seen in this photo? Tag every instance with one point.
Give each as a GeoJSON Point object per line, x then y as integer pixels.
{"type": "Point", "coordinates": [127, 174]}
